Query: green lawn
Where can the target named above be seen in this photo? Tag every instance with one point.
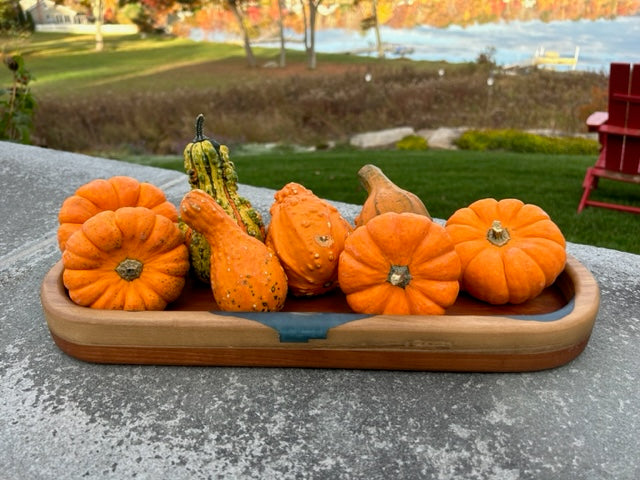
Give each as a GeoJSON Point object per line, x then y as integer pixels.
{"type": "Point", "coordinates": [69, 65]}
{"type": "Point", "coordinates": [64, 64]}
{"type": "Point", "coordinates": [448, 180]}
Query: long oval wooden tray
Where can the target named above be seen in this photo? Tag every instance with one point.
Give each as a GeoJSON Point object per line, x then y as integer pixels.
{"type": "Point", "coordinates": [546, 332]}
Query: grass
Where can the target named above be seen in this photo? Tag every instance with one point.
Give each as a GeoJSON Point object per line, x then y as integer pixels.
{"type": "Point", "coordinates": [68, 65]}
{"type": "Point", "coordinates": [448, 180]}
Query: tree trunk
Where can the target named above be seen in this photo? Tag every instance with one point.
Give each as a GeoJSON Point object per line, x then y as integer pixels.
{"type": "Point", "coordinates": [99, 14]}
{"type": "Point", "coordinates": [306, 28]}
{"type": "Point", "coordinates": [283, 52]}
{"type": "Point", "coordinates": [377, 30]}
{"type": "Point", "coordinates": [251, 59]}
{"type": "Point", "coordinates": [311, 52]}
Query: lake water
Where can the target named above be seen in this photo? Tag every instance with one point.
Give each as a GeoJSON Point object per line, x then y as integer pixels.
{"type": "Point", "coordinates": [600, 42]}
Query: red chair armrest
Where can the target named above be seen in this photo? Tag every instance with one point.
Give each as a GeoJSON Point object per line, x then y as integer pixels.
{"type": "Point", "coordinates": [615, 130]}
{"type": "Point", "coordinates": [596, 120]}
{"type": "Point", "coordinates": [627, 98]}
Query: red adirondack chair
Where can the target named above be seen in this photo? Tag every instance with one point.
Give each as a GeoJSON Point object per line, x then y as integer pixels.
{"type": "Point", "coordinates": [619, 136]}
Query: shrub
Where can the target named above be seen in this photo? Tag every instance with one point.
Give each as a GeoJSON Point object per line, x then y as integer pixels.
{"type": "Point", "coordinates": [138, 14]}
{"type": "Point", "coordinates": [13, 19]}
{"type": "Point", "coordinates": [523, 142]}
{"type": "Point", "coordinates": [412, 142]}
{"type": "Point", "coordinates": [17, 104]}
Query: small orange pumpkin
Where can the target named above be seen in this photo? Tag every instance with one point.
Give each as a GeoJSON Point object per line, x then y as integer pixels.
{"type": "Point", "coordinates": [116, 192]}
{"type": "Point", "coordinates": [510, 251]}
{"type": "Point", "coordinates": [127, 259]}
{"type": "Point", "coordinates": [398, 264]}
{"type": "Point", "coordinates": [307, 233]}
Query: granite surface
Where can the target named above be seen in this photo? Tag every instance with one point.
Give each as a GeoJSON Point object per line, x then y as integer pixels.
{"type": "Point", "coordinates": [63, 418]}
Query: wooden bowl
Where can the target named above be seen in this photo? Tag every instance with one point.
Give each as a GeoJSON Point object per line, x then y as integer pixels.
{"type": "Point", "coordinates": [546, 332]}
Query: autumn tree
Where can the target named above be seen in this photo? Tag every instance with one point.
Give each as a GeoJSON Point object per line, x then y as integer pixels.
{"type": "Point", "coordinates": [310, 13]}
{"type": "Point", "coordinates": [283, 52]}
{"type": "Point", "coordinates": [99, 8]}
{"type": "Point", "coordinates": [373, 22]}
{"type": "Point", "coordinates": [206, 11]}
{"type": "Point", "coordinates": [236, 7]}
{"type": "Point", "coordinates": [98, 15]}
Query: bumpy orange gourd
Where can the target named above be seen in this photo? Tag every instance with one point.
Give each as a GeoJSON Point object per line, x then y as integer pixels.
{"type": "Point", "coordinates": [399, 264]}
{"type": "Point", "coordinates": [245, 274]}
{"type": "Point", "coordinates": [99, 195]}
{"type": "Point", "coordinates": [385, 196]}
{"type": "Point", "coordinates": [127, 259]}
{"type": "Point", "coordinates": [510, 251]}
{"type": "Point", "coordinates": [307, 233]}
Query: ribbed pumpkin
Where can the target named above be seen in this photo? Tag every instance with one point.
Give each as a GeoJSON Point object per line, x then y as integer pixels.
{"type": "Point", "coordinates": [307, 233]}
{"type": "Point", "coordinates": [127, 259]}
{"type": "Point", "coordinates": [246, 275]}
{"type": "Point", "coordinates": [399, 264]}
{"type": "Point", "coordinates": [510, 251]}
{"type": "Point", "coordinates": [385, 196]}
{"type": "Point", "coordinates": [99, 195]}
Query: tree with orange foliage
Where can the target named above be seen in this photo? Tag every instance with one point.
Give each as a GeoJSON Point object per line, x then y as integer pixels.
{"type": "Point", "coordinates": [238, 9]}
{"type": "Point", "coordinates": [310, 18]}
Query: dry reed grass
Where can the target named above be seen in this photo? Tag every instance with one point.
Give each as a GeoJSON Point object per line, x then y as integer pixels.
{"type": "Point", "coordinates": [315, 109]}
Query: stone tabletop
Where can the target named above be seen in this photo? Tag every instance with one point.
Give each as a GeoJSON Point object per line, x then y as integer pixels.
{"type": "Point", "coordinates": [64, 418]}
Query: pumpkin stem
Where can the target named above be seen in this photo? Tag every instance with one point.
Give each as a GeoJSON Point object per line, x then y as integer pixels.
{"type": "Point", "coordinates": [129, 269]}
{"type": "Point", "coordinates": [497, 234]}
{"type": "Point", "coordinates": [399, 276]}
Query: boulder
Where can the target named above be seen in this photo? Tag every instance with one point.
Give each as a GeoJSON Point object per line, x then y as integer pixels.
{"type": "Point", "coordinates": [381, 138]}
{"type": "Point", "coordinates": [442, 137]}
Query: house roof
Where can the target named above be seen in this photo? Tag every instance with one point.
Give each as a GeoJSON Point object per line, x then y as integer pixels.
{"type": "Point", "coordinates": [29, 5]}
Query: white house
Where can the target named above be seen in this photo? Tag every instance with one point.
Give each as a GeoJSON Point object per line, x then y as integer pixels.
{"type": "Point", "coordinates": [47, 12]}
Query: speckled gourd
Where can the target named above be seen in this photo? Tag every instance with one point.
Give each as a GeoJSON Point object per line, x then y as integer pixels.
{"type": "Point", "coordinates": [246, 275]}
{"type": "Point", "coordinates": [207, 164]}
{"type": "Point", "coordinates": [308, 234]}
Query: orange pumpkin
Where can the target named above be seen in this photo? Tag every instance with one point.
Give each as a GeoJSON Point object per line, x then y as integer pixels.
{"type": "Point", "coordinates": [245, 274]}
{"type": "Point", "coordinates": [99, 195]}
{"type": "Point", "coordinates": [127, 259]}
{"type": "Point", "coordinates": [307, 233]}
{"type": "Point", "coordinates": [397, 264]}
{"type": "Point", "coordinates": [385, 196]}
{"type": "Point", "coordinates": [510, 251]}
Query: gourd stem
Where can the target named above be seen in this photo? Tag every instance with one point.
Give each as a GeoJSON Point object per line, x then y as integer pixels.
{"type": "Point", "coordinates": [497, 234]}
{"type": "Point", "coordinates": [399, 276]}
{"type": "Point", "coordinates": [199, 129]}
{"type": "Point", "coordinates": [200, 136]}
{"type": "Point", "coordinates": [129, 269]}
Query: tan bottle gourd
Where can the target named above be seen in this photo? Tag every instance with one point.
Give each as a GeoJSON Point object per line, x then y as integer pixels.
{"type": "Point", "coordinates": [385, 196]}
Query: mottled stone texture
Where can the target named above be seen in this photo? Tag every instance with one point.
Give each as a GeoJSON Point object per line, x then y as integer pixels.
{"type": "Point", "coordinates": [62, 418]}
{"type": "Point", "coordinates": [381, 138]}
